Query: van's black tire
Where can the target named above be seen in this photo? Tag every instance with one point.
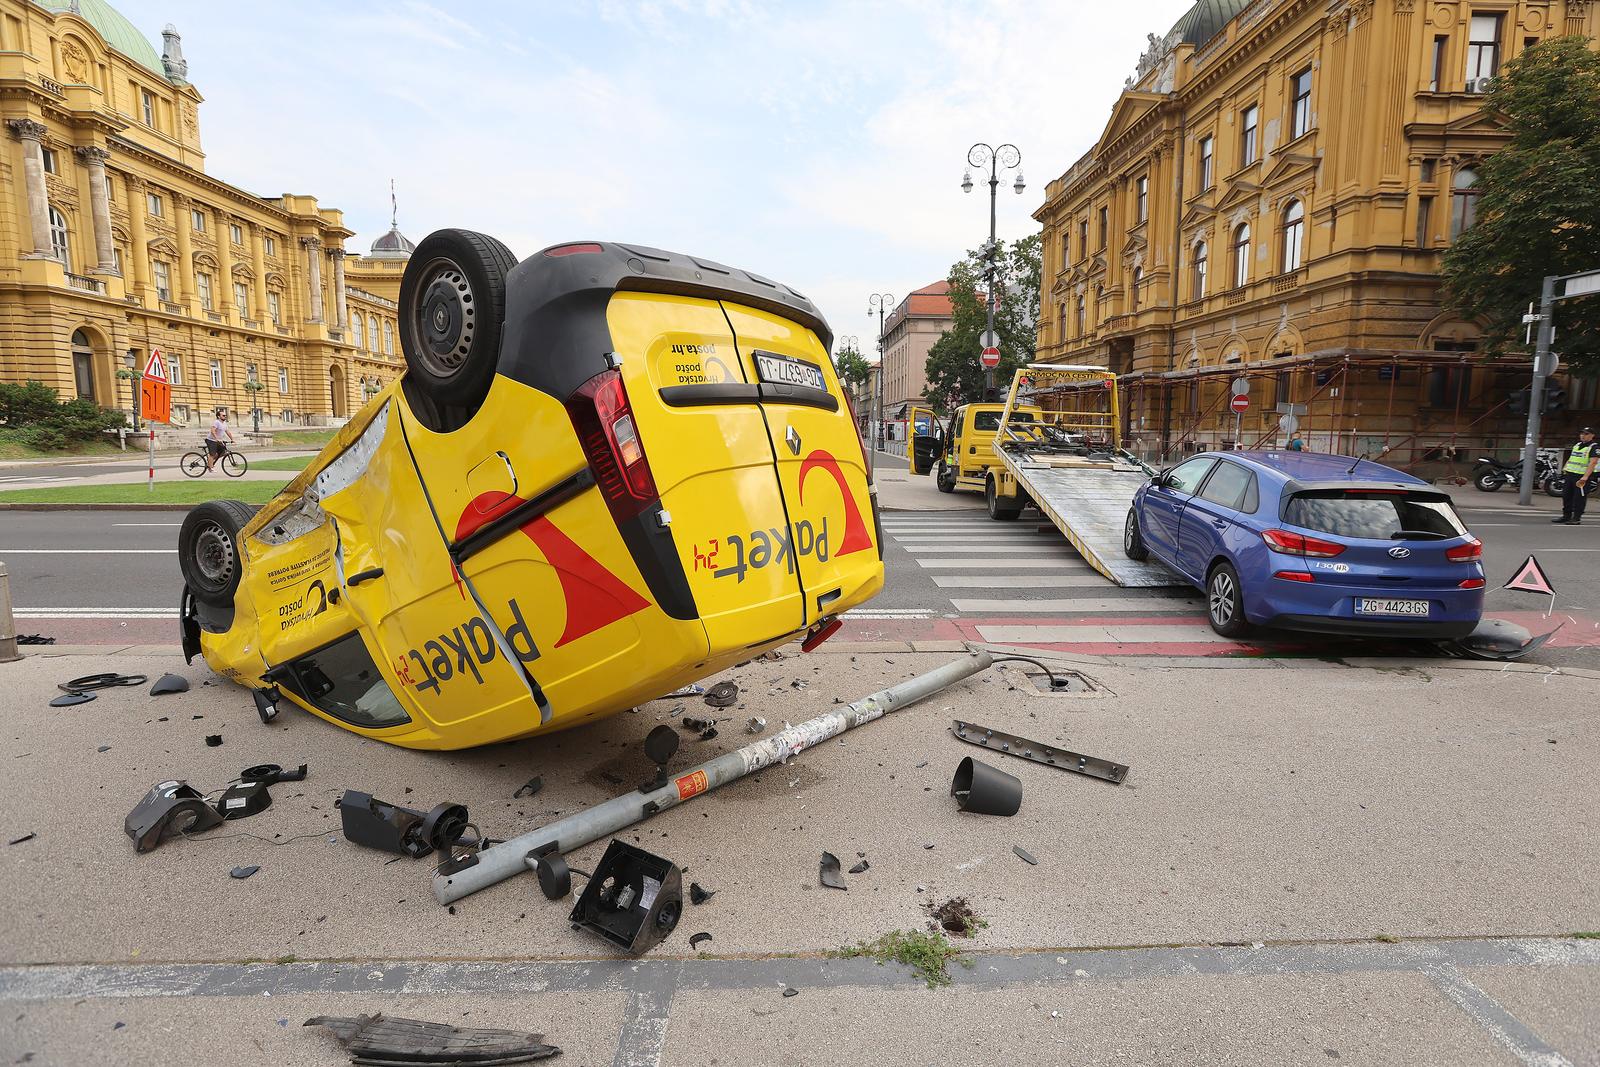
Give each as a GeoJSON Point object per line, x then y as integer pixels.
{"type": "Point", "coordinates": [452, 310]}
{"type": "Point", "coordinates": [1133, 540]}
{"type": "Point", "coordinates": [944, 476]}
{"type": "Point", "coordinates": [999, 509]}
{"type": "Point", "coordinates": [208, 549]}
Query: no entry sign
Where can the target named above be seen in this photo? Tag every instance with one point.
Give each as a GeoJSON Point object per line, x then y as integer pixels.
{"type": "Point", "coordinates": [1240, 403]}
{"type": "Point", "coordinates": [991, 357]}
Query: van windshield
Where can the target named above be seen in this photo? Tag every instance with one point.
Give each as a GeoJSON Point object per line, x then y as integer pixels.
{"type": "Point", "coordinates": [342, 680]}
{"type": "Point", "coordinates": [989, 421]}
{"type": "Point", "coordinates": [1379, 514]}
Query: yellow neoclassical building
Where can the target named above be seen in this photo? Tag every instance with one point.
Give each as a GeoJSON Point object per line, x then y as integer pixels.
{"type": "Point", "coordinates": [114, 240]}
{"type": "Point", "coordinates": [1270, 200]}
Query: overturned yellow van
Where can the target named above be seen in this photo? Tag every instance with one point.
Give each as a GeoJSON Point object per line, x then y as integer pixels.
{"type": "Point", "coordinates": [607, 472]}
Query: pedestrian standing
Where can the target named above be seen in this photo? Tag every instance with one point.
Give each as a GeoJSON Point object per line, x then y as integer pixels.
{"type": "Point", "coordinates": [1575, 478]}
{"type": "Point", "coordinates": [1295, 442]}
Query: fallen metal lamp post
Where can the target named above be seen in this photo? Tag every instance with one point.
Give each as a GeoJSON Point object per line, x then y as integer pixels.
{"type": "Point", "coordinates": [463, 877]}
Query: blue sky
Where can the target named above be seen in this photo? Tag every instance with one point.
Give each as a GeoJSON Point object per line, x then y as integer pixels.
{"type": "Point", "coordinates": [821, 144]}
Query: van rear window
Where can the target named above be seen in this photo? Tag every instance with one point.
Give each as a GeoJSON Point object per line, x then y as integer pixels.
{"type": "Point", "coordinates": [989, 421]}
{"type": "Point", "coordinates": [1381, 515]}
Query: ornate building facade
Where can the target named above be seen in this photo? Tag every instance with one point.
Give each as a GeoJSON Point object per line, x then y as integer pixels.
{"type": "Point", "coordinates": [908, 333]}
{"type": "Point", "coordinates": [114, 240]}
{"type": "Point", "coordinates": [1270, 200]}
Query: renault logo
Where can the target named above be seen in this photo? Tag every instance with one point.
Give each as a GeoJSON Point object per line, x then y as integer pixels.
{"type": "Point", "coordinates": [793, 440]}
{"type": "Point", "coordinates": [1399, 552]}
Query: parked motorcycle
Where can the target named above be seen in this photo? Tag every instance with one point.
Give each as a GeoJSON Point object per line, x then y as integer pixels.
{"type": "Point", "coordinates": [1554, 483]}
{"type": "Point", "coordinates": [1490, 473]}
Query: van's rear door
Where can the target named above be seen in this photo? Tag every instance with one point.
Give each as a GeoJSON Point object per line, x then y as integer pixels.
{"type": "Point", "coordinates": [698, 412]}
{"type": "Point", "coordinates": [819, 457]}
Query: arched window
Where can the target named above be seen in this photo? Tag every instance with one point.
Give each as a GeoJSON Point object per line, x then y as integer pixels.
{"type": "Point", "coordinates": [1099, 303]}
{"type": "Point", "coordinates": [1061, 319]}
{"type": "Point", "coordinates": [1464, 202]}
{"type": "Point", "coordinates": [388, 337]}
{"type": "Point", "coordinates": [59, 246]}
{"type": "Point", "coordinates": [355, 330]}
{"type": "Point", "coordinates": [1294, 235]}
{"type": "Point", "coordinates": [1241, 254]}
{"type": "Point", "coordinates": [372, 333]}
{"type": "Point", "coordinates": [1082, 316]}
{"type": "Point", "coordinates": [82, 362]}
{"type": "Point", "coordinates": [1138, 280]}
{"type": "Point", "coordinates": [1199, 270]}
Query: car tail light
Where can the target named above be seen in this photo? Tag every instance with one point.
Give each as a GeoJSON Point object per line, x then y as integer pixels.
{"type": "Point", "coordinates": [850, 405]}
{"type": "Point", "coordinates": [1472, 583]}
{"type": "Point", "coordinates": [1470, 552]}
{"type": "Point", "coordinates": [1301, 545]}
{"type": "Point", "coordinates": [600, 413]}
{"type": "Point", "coordinates": [573, 250]}
{"type": "Point", "coordinates": [1295, 576]}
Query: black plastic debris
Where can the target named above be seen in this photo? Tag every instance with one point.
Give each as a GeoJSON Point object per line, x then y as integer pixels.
{"type": "Point", "coordinates": [697, 895]}
{"type": "Point", "coordinates": [382, 1040]}
{"type": "Point", "coordinates": [31, 835]}
{"type": "Point", "coordinates": [985, 790]}
{"type": "Point", "coordinates": [708, 733]}
{"type": "Point", "coordinates": [67, 700]}
{"type": "Point", "coordinates": [90, 682]}
{"type": "Point", "coordinates": [829, 872]}
{"type": "Point", "coordinates": [689, 722]}
{"type": "Point", "coordinates": [1497, 639]}
{"type": "Point", "coordinates": [861, 868]}
{"type": "Point", "coordinates": [1024, 855]}
{"type": "Point", "coordinates": [633, 900]}
{"type": "Point", "coordinates": [213, 740]}
{"type": "Point", "coordinates": [35, 639]}
{"type": "Point", "coordinates": [790, 991]}
{"type": "Point", "coordinates": [103, 748]}
{"type": "Point", "coordinates": [272, 774]}
{"type": "Point", "coordinates": [243, 872]}
{"type": "Point", "coordinates": [170, 683]}
{"type": "Point", "coordinates": [529, 788]}
{"type": "Point", "coordinates": [696, 939]}
{"type": "Point", "coordinates": [249, 794]}
{"type": "Point", "coordinates": [170, 808]}
{"type": "Point", "coordinates": [375, 824]}
{"type": "Point", "coordinates": [722, 695]}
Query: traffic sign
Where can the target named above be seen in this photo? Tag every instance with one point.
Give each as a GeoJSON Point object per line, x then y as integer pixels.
{"type": "Point", "coordinates": [1241, 387]}
{"type": "Point", "coordinates": [990, 339]}
{"type": "Point", "coordinates": [155, 390]}
{"type": "Point", "coordinates": [1288, 424]}
{"type": "Point", "coordinates": [991, 358]}
{"type": "Point", "coordinates": [1239, 403]}
{"type": "Point", "coordinates": [156, 367]}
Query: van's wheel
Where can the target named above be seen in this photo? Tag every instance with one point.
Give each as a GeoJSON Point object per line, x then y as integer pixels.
{"type": "Point", "coordinates": [1133, 540]}
{"type": "Point", "coordinates": [1225, 602]}
{"type": "Point", "coordinates": [452, 307]}
{"type": "Point", "coordinates": [1000, 509]}
{"type": "Point", "coordinates": [208, 549]}
{"type": "Point", "coordinates": [944, 476]}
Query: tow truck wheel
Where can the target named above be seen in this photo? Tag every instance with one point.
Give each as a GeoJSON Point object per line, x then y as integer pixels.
{"type": "Point", "coordinates": [208, 551]}
{"type": "Point", "coordinates": [1000, 509]}
{"type": "Point", "coordinates": [1133, 540]}
{"type": "Point", "coordinates": [944, 476]}
{"type": "Point", "coordinates": [452, 306]}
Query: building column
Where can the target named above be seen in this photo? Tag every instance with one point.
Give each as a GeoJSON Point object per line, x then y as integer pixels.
{"type": "Point", "coordinates": [258, 262]}
{"type": "Point", "coordinates": [185, 280]}
{"type": "Point", "coordinates": [225, 266]}
{"type": "Point", "coordinates": [140, 252]}
{"type": "Point", "coordinates": [338, 286]}
{"type": "Point", "coordinates": [95, 158]}
{"type": "Point", "coordinates": [31, 134]}
{"type": "Point", "coordinates": [313, 247]}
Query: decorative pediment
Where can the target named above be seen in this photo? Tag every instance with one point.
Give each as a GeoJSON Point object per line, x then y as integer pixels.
{"type": "Point", "coordinates": [162, 246]}
{"type": "Point", "coordinates": [276, 280]}
{"type": "Point", "coordinates": [1133, 249]}
{"type": "Point", "coordinates": [1097, 267]}
{"type": "Point", "coordinates": [1475, 122]}
{"type": "Point", "coordinates": [1239, 194]}
{"type": "Point", "coordinates": [1290, 169]}
{"type": "Point", "coordinates": [1129, 109]}
{"type": "Point", "coordinates": [243, 270]}
{"type": "Point", "coordinates": [205, 259]}
{"type": "Point", "coordinates": [1200, 213]}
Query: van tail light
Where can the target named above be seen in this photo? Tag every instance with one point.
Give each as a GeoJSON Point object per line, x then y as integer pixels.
{"type": "Point", "coordinates": [850, 405]}
{"type": "Point", "coordinates": [1295, 576]}
{"type": "Point", "coordinates": [573, 250]}
{"type": "Point", "coordinates": [1471, 552]}
{"type": "Point", "coordinates": [600, 414]}
{"type": "Point", "coordinates": [1301, 545]}
{"type": "Point", "coordinates": [1471, 583]}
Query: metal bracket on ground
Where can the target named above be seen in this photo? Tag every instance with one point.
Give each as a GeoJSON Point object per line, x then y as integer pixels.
{"type": "Point", "coordinates": [1011, 744]}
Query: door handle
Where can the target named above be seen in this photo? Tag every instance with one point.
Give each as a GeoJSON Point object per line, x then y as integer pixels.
{"type": "Point", "coordinates": [364, 576]}
{"type": "Point", "coordinates": [1219, 524]}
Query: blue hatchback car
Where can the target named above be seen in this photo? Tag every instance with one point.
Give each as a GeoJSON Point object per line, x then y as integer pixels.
{"type": "Point", "coordinates": [1316, 542]}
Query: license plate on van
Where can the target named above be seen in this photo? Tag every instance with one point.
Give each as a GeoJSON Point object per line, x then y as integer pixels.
{"type": "Point", "coordinates": [785, 370]}
{"type": "Point", "coordinates": [1412, 608]}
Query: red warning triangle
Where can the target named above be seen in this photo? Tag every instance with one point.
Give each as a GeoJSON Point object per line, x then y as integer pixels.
{"type": "Point", "coordinates": [1530, 578]}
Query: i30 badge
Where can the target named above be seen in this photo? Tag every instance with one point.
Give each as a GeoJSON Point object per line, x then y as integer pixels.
{"type": "Point", "coordinates": [1399, 552]}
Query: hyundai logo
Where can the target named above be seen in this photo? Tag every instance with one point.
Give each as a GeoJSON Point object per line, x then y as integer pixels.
{"type": "Point", "coordinates": [1399, 553]}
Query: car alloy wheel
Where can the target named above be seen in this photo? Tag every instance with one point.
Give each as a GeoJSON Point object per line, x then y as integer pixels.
{"type": "Point", "coordinates": [1223, 597]}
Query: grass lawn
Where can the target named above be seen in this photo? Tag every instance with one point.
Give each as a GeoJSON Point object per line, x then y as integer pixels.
{"type": "Point", "coordinates": [11, 448]}
{"type": "Point", "coordinates": [282, 463]}
{"type": "Point", "coordinates": [185, 492]}
{"type": "Point", "coordinates": [301, 438]}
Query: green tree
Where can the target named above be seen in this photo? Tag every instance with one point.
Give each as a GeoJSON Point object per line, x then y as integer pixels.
{"type": "Point", "coordinates": [1539, 212]}
{"type": "Point", "coordinates": [955, 375]}
{"type": "Point", "coordinates": [852, 366]}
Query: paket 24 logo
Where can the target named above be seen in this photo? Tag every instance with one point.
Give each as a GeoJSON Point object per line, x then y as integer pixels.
{"type": "Point", "coordinates": [734, 555]}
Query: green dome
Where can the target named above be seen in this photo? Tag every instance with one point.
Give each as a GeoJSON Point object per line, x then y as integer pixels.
{"type": "Point", "coordinates": [1205, 20]}
{"type": "Point", "coordinates": [119, 33]}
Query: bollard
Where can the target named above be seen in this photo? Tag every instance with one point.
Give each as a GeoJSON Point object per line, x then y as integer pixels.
{"type": "Point", "coordinates": [8, 625]}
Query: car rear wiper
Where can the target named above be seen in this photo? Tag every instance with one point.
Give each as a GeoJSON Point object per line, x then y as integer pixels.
{"type": "Point", "coordinates": [1425, 535]}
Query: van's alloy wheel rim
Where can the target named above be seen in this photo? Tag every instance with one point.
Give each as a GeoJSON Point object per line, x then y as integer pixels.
{"type": "Point", "coordinates": [213, 553]}
{"type": "Point", "coordinates": [444, 319]}
{"type": "Point", "coordinates": [1222, 598]}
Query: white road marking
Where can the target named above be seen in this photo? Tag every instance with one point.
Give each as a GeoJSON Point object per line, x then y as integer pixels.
{"type": "Point", "coordinates": [88, 551]}
{"type": "Point", "coordinates": [991, 549]}
{"type": "Point", "coordinates": [173, 525]}
{"type": "Point", "coordinates": [109, 613]}
{"type": "Point", "coordinates": [1017, 581]}
{"type": "Point", "coordinates": [1063, 564]}
{"type": "Point", "coordinates": [1114, 634]}
{"type": "Point", "coordinates": [1086, 605]}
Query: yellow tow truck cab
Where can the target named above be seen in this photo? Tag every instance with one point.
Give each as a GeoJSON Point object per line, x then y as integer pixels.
{"type": "Point", "coordinates": [959, 451]}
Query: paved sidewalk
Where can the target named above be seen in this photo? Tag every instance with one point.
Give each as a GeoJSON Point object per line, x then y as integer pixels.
{"type": "Point", "coordinates": [900, 490]}
{"type": "Point", "coordinates": [1296, 867]}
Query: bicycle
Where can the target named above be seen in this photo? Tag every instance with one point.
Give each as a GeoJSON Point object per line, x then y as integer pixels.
{"type": "Point", "coordinates": [232, 463]}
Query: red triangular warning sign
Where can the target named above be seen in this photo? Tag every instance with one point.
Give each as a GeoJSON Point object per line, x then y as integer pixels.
{"type": "Point", "coordinates": [1530, 578]}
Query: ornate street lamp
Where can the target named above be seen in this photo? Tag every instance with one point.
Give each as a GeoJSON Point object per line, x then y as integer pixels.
{"type": "Point", "coordinates": [1006, 157]}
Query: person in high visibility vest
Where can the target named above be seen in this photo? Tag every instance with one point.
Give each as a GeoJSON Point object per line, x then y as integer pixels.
{"type": "Point", "coordinates": [1576, 475]}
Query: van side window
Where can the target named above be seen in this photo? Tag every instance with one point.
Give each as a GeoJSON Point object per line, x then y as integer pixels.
{"type": "Point", "coordinates": [342, 680]}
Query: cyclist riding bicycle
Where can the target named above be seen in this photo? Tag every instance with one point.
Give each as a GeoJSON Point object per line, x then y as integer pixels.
{"type": "Point", "coordinates": [218, 439]}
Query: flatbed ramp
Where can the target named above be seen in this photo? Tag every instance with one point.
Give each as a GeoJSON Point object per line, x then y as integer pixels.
{"type": "Point", "coordinates": [1089, 505]}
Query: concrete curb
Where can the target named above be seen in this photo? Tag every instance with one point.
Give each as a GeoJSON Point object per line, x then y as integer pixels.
{"type": "Point", "coordinates": [64, 505]}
